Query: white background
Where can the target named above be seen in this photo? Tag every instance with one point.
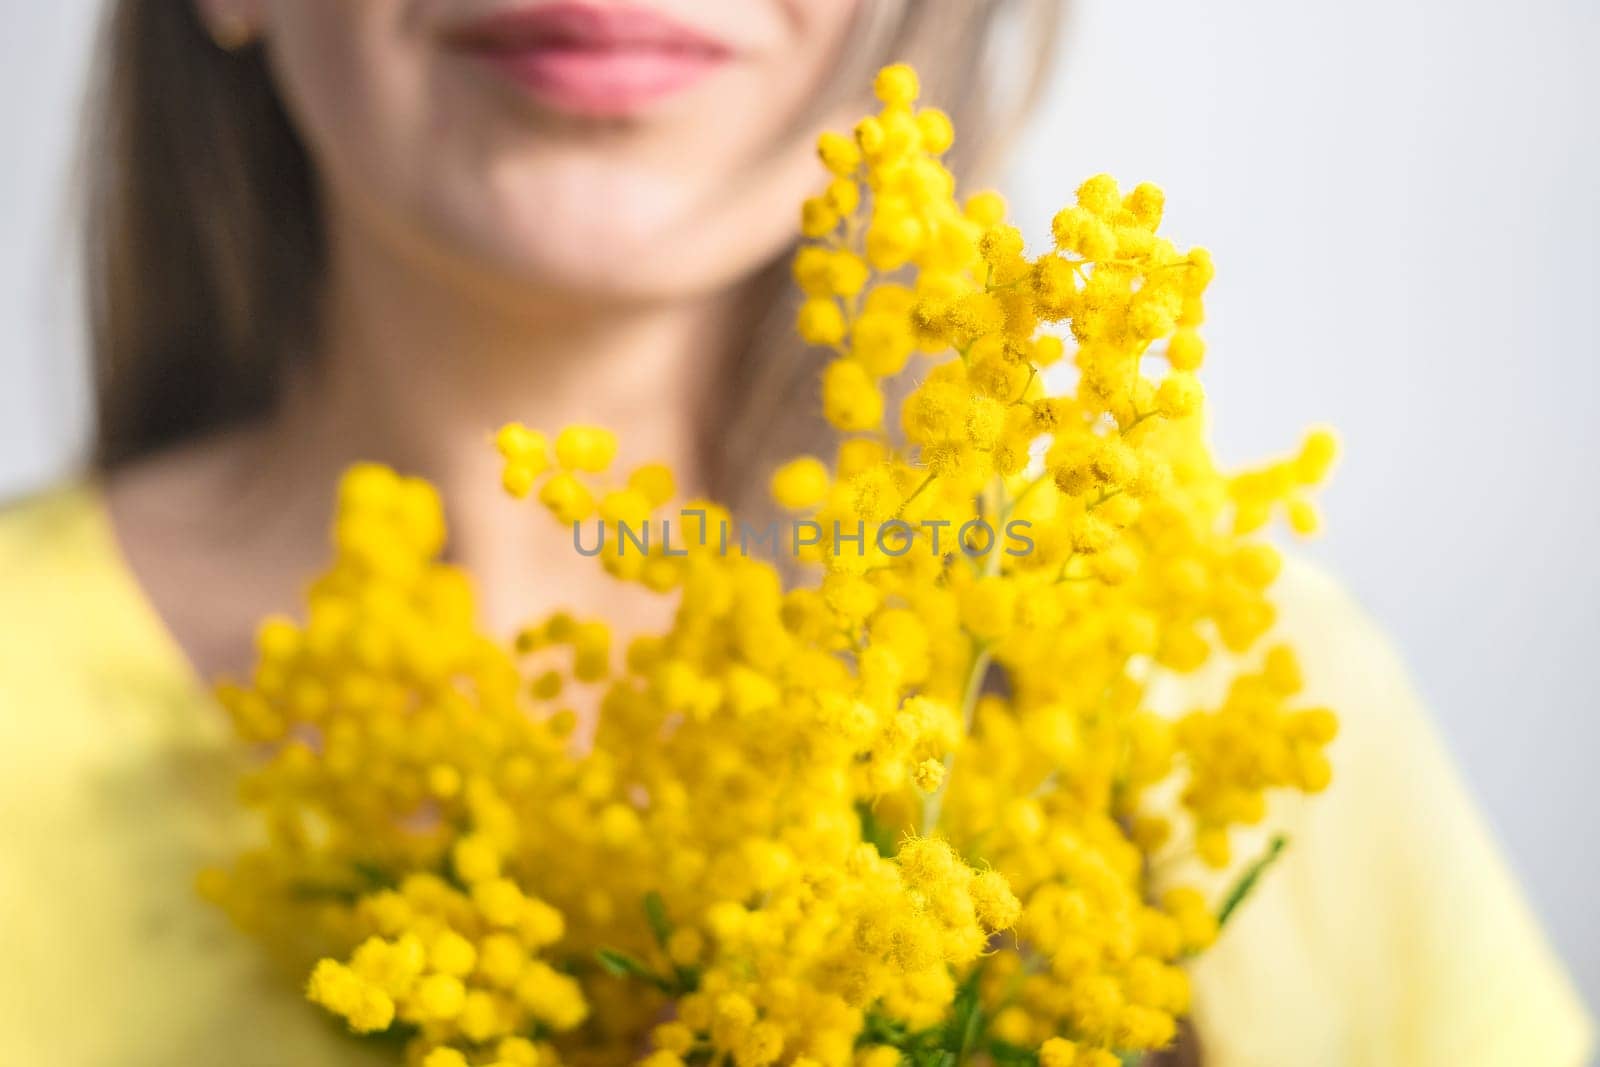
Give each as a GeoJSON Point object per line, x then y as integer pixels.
{"type": "Point", "coordinates": [1401, 196]}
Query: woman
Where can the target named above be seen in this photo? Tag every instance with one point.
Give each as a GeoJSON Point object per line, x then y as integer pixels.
{"type": "Point", "coordinates": [323, 232]}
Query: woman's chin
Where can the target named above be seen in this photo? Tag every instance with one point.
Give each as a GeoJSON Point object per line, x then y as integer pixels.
{"type": "Point", "coordinates": [588, 268]}
{"type": "Point", "coordinates": [597, 280]}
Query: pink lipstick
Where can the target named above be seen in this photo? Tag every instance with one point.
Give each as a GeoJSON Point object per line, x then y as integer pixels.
{"type": "Point", "coordinates": [601, 61]}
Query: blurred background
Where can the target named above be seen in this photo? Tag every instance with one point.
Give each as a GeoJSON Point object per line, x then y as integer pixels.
{"type": "Point", "coordinates": [1402, 201]}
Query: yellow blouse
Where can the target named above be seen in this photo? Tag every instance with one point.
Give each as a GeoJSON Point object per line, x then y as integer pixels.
{"type": "Point", "coordinates": [1390, 933]}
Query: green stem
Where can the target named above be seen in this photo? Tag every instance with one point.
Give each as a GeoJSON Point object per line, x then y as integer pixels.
{"type": "Point", "coordinates": [915, 493]}
{"type": "Point", "coordinates": [1247, 881]}
{"type": "Point", "coordinates": [1020, 497]}
{"type": "Point", "coordinates": [1033, 374]}
{"type": "Point", "coordinates": [934, 802]}
{"type": "Point", "coordinates": [993, 504]}
{"type": "Point", "coordinates": [1139, 420]}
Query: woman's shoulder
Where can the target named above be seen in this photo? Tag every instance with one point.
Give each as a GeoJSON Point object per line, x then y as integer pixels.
{"type": "Point", "coordinates": [70, 611]}
{"type": "Point", "coordinates": [34, 518]}
{"type": "Point", "coordinates": [1392, 930]}
{"type": "Point", "coordinates": [117, 777]}
{"type": "Point", "coordinates": [1319, 611]}
{"type": "Point", "coordinates": [1351, 663]}
{"type": "Point", "coordinates": [53, 544]}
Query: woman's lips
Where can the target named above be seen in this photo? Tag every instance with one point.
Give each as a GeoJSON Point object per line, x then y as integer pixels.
{"type": "Point", "coordinates": [588, 59]}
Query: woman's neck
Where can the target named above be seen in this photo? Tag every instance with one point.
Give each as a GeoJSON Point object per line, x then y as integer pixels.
{"type": "Point", "coordinates": [419, 366]}
{"type": "Point", "coordinates": [416, 370]}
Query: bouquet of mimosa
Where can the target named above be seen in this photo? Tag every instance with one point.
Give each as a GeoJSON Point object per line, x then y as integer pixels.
{"type": "Point", "coordinates": [908, 808]}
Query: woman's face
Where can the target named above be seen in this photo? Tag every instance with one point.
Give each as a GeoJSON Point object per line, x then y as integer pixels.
{"type": "Point", "coordinates": [588, 149]}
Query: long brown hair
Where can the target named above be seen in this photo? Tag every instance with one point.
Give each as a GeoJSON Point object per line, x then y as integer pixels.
{"type": "Point", "coordinates": [205, 250]}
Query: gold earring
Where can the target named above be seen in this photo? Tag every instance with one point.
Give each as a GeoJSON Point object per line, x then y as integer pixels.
{"type": "Point", "coordinates": [232, 32]}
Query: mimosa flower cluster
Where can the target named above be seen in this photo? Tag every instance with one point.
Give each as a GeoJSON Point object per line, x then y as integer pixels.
{"type": "Point", "coordinates": [906, 810]}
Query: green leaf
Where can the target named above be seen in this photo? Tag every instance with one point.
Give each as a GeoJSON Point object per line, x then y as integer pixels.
{"type": "Point", "coordinates": [969, 1033]}
{"type": "Point", "coordinates": [621, 965]}
{"type": "Point", "coordinates": [1005, 1055]}
{"type": "Point", "coordinates": [377, 877]}
{"type": "Point", "coordinates": [966, 1017]}
{"type": "Point", "coordinates": [1247, 881]}
{"type": "Point", "coordinates": [874, 832]}
{"type": "Point", "coordinates": [882, 1030]}
{"type": "Point", "coordinates": [655, 910]}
